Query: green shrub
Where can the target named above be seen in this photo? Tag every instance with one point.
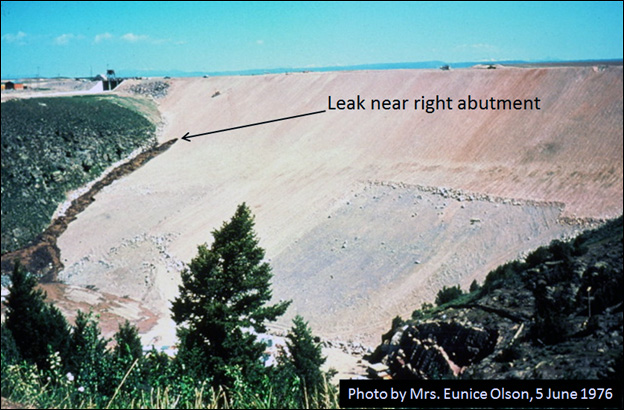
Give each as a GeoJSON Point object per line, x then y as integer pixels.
{"type": "Point", "coordinates": [474, 286]}
{"type": "Point", "coordinates": [127, 359]}
{"type": "Point", "coordinates": [538, 256]}
{"type": "Point", "coordinates": [37, 327]}
{"type": "Point", "coordinates": [446, 295]}
{"type": "Point", "coordinates": [10, 352]}
{"type": "Point", "coordinates": [88, 359]}
{"type": "Point", "coordinates": [504, 275]}
{"type": "Point", "coordinates": [305, 357]}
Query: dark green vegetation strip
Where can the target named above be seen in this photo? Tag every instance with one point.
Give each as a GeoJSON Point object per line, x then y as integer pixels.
{"type": "Point", "coordinates": [53, 145]}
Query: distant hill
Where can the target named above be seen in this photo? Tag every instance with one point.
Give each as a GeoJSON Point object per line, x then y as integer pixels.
{"type": "Point", "coordinates": [356, 67]}
{"type": "Point", "coordinates": [131, 72]}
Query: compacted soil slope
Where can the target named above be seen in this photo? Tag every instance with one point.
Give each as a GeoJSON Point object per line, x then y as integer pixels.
{"type": "Point", "coordinates": [364, 214]}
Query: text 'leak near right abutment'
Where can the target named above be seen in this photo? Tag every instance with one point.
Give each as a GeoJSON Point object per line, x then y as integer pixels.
{"type": "Point", "coordinates": [432, 104]}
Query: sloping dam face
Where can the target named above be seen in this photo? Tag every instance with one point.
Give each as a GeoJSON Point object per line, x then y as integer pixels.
{"type": "Point", "coordinates": [364, 214]}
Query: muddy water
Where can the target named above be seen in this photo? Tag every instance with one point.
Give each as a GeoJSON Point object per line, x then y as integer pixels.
{"type": "Point", "coordinates": [43, 255]}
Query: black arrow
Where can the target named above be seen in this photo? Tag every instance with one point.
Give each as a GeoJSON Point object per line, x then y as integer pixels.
{"type": "Point", "coordinates": [188, 137]}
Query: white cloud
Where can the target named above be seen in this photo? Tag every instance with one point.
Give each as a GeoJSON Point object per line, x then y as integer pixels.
{"type": "Point", "coordinates": [17, 38]}
{"type": "Point", "coordinates": [64, 39]}
{"type": "Point", "coordinates": [133, 38]}
{"type": "Point", "coordinates": [103, 37]}
{"type": "Point", "coordinates": [259, 42]}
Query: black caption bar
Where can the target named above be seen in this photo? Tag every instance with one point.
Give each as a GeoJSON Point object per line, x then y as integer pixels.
{"type": "Point", "coordinates": [460, 394]}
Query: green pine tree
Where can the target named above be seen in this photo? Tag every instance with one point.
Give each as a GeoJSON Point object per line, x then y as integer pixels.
{"type": "Point", "coordinates": [127, 360]}
{"type": "Point", "coordinates": [306, 356]}
{"type": "Point", "coordinates": [38, 328]}
{"type": "Point", "coordinates": [89, 360]}
{"type": "Point", "coordinates": [224, 295]}
{"type": "Point", "coordinates": [128, 347]}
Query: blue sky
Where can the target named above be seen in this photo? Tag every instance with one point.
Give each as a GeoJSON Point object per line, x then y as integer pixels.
{"type": "Point", "coordinates": [77, 38]}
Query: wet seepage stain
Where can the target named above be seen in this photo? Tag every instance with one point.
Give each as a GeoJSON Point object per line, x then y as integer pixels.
{"type": "Point", "coordinates": [43, 256]}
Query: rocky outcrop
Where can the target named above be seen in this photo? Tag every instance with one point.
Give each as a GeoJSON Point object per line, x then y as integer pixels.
{"type": "Point", "coordinates": [426, 349]}
{"type": "Point", "coordinates": [556, 315]}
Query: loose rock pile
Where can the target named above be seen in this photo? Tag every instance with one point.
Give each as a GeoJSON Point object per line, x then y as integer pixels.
{"type": "Point", "coordinates": [464, 196]}
{"type": "Point", "coordinates": [352, 348]}
{"type": "Point", "coordinates": [154, 89]}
